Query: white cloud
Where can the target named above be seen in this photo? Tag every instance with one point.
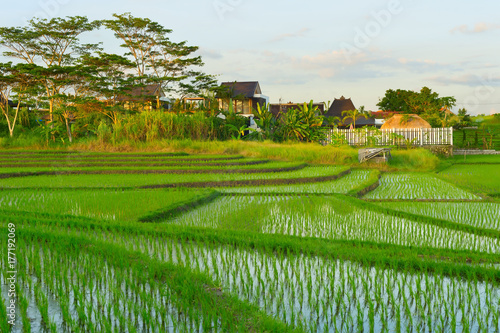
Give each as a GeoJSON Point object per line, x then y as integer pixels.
{"type": "Point", "coordinates": [478, 28]}
{"type": "Point", "coordinates": [470, 80]}
{"type": "Point", "coordinates": [301, 33]}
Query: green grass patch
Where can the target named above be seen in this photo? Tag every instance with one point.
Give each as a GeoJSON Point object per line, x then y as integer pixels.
{"type": "Point", "coordinates": [474, 159]}
{"type": "Point", "coordinates": [477, 178]}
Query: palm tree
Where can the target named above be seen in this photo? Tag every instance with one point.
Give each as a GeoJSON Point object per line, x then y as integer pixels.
{"type": "Point", "coordinates": [334, 121]}
{"type": "Point", "coordinates": [354, 114]}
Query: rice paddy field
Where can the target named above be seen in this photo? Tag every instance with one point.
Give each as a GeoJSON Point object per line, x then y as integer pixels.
{"type": "Point", "coordinates": [171, 242]}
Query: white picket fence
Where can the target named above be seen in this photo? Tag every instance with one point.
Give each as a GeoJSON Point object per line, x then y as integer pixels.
{"type": "Point", "coordinates": [390, 137]}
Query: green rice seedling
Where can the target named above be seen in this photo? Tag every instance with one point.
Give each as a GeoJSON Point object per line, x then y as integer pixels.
{"type": "Point", "coordinates": [328, 218]}
{"type": "Point", "coordinates": [124, 180]}
{"type": "Point", "coordinates": [263, 250]}
{"type": "Point", "coordinates": [409, 186]}
{"type": "Point", "coordinates": [360, 282]}
{"type": "Point", "coordinates": [120, 205]}
{"type": "Point", "coordinates": [478, 214]}
{"type": "Point", "coordinates": [341, 185]}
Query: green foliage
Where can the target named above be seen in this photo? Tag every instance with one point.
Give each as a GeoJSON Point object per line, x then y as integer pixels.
{"type": "Point", "coordinates": [302, 124]}
{"type": "Point", "coordinates": [464, 119]}
{"type": "Point", "coordinates": [266, 122]}
{"type": "Point", "coordinates": [374, 135]}
{"type": "Point", "coordinates": [354, 115]}
{"type": "Point", "coordinates": [486, 136]}
{"type": "Point", "coordinates": [337, 139]}
{"type": "Point", "coordinates": [103, 132]}
{"type": "Point", "coordinates": [50, 132]}
{"type": "Point", "coordinates": [158, 60]}
{"type": "Point", "coordinates": [238, 131]}
{"type": "Point", "coordinates": [425, 103]}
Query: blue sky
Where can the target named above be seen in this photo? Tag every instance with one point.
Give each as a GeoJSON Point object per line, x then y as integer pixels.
{"type": "Point", "coordinates": [321, 50]}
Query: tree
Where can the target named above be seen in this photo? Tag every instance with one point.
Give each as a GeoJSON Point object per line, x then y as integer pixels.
{"type": "Point", "coordinates": [50, 42]}
{"type": "Point", "coordinates": [464, 119]}
{"type": "Point", "coordinates": [354, 115]}
{"type": "Point", "coordinates": [106, 80]}
{"type": "Point", "coordinates": [396, 100]}
{"type": "Point", "coordinates": [426, 103]}
{"type": "Point", "coordinates": [16, 82]}
{"type": "Point", "coordinates": [157, 59]}
{"type": "Point", "coordinates": [201, 84]}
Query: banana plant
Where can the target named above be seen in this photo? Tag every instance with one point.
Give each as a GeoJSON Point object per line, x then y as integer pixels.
{"type": "Point", "coordinates": [303, 124]}
{"type": "Point", "coordinates": [240, 132]}
{"type": "Point", "coordinates": [265, 120]}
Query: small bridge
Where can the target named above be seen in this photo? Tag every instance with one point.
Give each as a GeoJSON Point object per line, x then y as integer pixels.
{"type": "Point", "coordinates": [380, 155]}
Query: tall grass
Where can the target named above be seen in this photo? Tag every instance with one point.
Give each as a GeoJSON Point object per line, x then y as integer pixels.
{"type": "Point", "coordinates": [414, 159]}
{"type": "Point", "coordinates": [289, 151]}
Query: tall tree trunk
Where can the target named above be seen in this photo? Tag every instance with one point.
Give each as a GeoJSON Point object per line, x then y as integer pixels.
{"type": "Point", "coordinates": [51, 108]}
{"type": "Point", "coordinates": [12, 124]}
{"type": "Point", "coordinates": [68, 129]}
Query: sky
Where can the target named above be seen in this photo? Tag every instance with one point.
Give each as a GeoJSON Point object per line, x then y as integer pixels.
{"type": "Point", "coordinates": [320, 50]}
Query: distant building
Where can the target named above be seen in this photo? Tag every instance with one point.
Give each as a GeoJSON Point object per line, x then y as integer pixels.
{"type": "Point", "coordinates": [11, 104]}
{"type": "Point", "coordinates": [244, 95]}
{"type": "Point", "coordinates": [343, 104]}
{"type": "Point", "coordinates": [278, 109]}
{"type": "Point", "coordinates": [338, 106]}
{"type": "Point", "coordinates": [193, 103]}
{"type": "Point", "coordinates": [146, 96]}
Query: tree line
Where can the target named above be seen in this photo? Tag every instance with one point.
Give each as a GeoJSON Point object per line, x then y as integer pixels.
{"type": "Point", "coordinates": [427, 104]}
{"type": "Point", "coordinates": [54, 70]}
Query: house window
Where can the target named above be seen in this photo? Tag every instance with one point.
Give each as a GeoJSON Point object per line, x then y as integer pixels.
{"type": "Point", "coordinates": [237, 106]}
{"type": "Point", "coordinates": [246, 107]}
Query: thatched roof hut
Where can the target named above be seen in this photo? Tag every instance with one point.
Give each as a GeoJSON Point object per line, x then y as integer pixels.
{"type": "Point", "coordinates": [405, 121]}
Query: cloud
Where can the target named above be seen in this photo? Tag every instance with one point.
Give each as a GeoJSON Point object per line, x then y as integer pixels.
{"type": "Point", "coordinates": [470, 80]}
{"type": "Point", "coordinates": [406, 61]}
{"type": "Point", "coordinates": [423, 65]}
{"type": "Point", "coordinates": [478, 28]}
{"type": "Point", "coordinates": [301, 33]}
{"type": "Point", "coordinates": [330, 58]}
{"type": "Point", "coordinates": [209, 53]}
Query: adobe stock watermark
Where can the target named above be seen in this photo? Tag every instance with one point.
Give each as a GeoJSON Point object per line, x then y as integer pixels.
{"type": "Point", "coordinates": [379, 20]}
{"type": "Point", "coordinates": [488, 88]}
{"type": "Point", "coordinates": [222, 7]}
{"type": "Point", "coordinates": [48, 9]}
{"type": "Point", "coordinates": [11, 273]}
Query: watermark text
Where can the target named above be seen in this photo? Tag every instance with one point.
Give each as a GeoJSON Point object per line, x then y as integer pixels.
{"type": "Point", "coordinates": [11, 273]}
